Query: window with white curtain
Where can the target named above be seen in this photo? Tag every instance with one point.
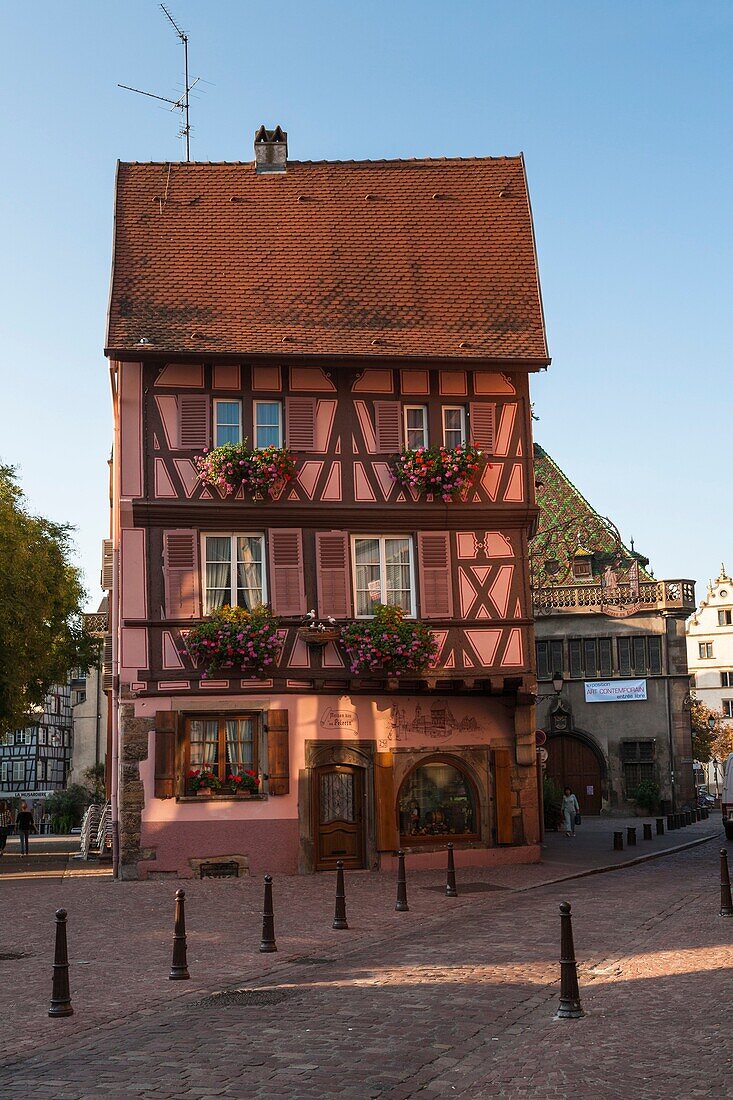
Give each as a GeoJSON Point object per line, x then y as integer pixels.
{"type": "Point", "coordinates": [268, 424]}
{"type": "Point", "coordinates": [227, 422]}
{"type": "Point", "coordinates": [225, 744]}
{"type": "Point", "coordinates": [234, 571]}
{"type": "Point", "coordinates": [383, 573]}
{"type": "Point", "coordinates": [416, 426]}
{"type": "Point", "coordinates": [454, 426]}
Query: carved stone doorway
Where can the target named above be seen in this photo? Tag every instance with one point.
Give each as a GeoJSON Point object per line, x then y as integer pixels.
{"type": "Point", "coordinates": [338, 800]}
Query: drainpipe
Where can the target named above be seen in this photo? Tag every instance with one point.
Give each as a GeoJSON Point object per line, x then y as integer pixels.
{"type": "Point", "coordinates": [115, 624]}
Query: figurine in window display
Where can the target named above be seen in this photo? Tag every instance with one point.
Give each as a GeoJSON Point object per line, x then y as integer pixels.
{"type": "Point", "coordinates": [413, 818]}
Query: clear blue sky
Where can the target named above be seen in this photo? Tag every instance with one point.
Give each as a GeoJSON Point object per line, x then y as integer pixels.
{"type": "Point", "coordinates": [622, 109]}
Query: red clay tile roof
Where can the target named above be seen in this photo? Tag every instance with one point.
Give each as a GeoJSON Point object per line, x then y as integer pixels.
{"type": "Point", "coordinates": [423, 258]}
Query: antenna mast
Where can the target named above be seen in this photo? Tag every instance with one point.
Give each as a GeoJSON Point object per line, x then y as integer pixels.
{"type": "Point", "coordinates": [183, 103]}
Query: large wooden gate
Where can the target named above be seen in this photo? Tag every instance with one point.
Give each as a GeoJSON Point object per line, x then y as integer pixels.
{"type": "Point", "coordinates": [572, 763]}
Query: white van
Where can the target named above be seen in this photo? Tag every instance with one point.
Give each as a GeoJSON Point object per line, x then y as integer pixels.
{"type": "Point", "coordinates": [726, 797]}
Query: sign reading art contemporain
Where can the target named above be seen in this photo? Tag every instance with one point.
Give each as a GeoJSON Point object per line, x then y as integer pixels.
{"type": "Point", "coordinates": [615, 691]}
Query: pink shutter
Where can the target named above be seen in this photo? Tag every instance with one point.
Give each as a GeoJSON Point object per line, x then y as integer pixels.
{"type": "Point", "coordinates": [180, 574]}
{"type": "Point", "coordinates": [332, 567]}
{"type": "Point", "coordinates": [300, 423]}
{"type": "Point", "coordinates": [287, 586]}
{"type": "Point", "coordinates": [193, 421]}
{"type": "Point", "coordinates": [483, 425]}
{"type": "Point", "coordinates": [388, 426]}
{"type": "Point", "coordinates": [436, 582]}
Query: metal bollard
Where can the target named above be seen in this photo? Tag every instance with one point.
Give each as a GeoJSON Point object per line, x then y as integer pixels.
{"type": "Point", "coordinates": [670, 822]}
{"type": "Point", "coordinates": [450, 882]}
{"type": "Point", "coordinates": [660, 826]}
{"type": "Point", "coordinates": [569, 1008]}
{"type": "Point", "coordinates": [339, 917]}
{"type": "Point", "coordinates": [618, 842]}
{"type": "Point", "coordinates": [688, 817]}
{"type": "Point", "coordinates": [60, 994]}
{"type": "Point", "coordinates": [267, 942]}
{"type": "Point", "coordinates": [179, 966]}
{"type": "Point", "coordinates": [698, 814]}
{"type": "Point", "coordinates": [401, 906]}
{"type": "Point", "coordinates": [704, 813]}
{"type": "Point", "coordinates": [631, 835]}
{"type": "Point", "coordinates": [678, 820]}
{"type": "Point", "coordinates": [726, 901]}
{"type": "Point", "coordinates": [647, 830]}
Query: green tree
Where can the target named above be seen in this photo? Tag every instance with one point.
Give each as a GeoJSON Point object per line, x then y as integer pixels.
{"type": "Point", "coordinates": [41, 630]}
{"type": "Point", "coordinates": [94, 780]}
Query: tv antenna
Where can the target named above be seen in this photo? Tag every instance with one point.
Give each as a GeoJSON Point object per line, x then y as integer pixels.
{"type": "Point", "coordinates": [182, 103]}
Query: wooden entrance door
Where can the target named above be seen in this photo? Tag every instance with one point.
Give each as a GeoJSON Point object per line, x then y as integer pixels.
{"type": "Point", "coordinates": [572, 763]}
{"type": "Point", "coordinates": [339, 804]}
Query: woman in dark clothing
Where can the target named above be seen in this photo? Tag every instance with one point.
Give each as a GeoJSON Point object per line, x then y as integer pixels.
{"type": "Point", "coordinates": [24, 824]}
{"type": "Point", "coordinates": [6, 821]}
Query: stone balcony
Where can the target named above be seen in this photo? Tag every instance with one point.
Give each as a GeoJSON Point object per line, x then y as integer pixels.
{"type": "Point", "coordinates": [676, 596]}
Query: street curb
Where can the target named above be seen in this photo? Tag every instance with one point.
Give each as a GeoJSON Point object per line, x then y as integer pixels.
{"type": "Point", "coordinates": [618, 866]}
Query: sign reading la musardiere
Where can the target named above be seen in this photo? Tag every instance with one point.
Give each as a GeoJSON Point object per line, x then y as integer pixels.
{"type": "Point", "coordinates": [615, 691]}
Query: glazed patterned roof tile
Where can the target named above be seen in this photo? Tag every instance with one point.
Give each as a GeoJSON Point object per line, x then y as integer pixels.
{"type": "Point", "coordinates": [363, 258]}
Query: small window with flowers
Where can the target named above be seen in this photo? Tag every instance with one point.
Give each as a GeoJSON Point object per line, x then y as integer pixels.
{"type": "Point", "coordinates": [221, 755]}
{"type": "Point", "coordinates": [437, 799]}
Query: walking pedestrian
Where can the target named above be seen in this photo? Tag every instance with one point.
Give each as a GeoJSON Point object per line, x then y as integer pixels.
{"type": "Point", "coordinates": [6, 824]}
{"type": "Point", "coordinates": [25, 824]}
{"type": "Point", "coordinates": [570, 809]}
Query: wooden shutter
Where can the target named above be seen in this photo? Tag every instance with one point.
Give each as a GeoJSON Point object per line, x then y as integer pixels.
{"type": "Point", "coordinates": [193, 420]}
{"type": "Point", "coordinates": [287, 587]}
{"type": "Point", "coordinates": [278, 752]}
{"type": "Point", "coordinates": [166, 727]}
{"type": "Point", "coordinates": [180, 573]}
{"type": "Point", "coordinates": [107, 565]}
{"type": "Point", "coordinates": [107, 663]}
{"type": "Point", "coordinates": [300, 423]}
{"type": "Point", "coordinates": [384, 800]}
{"type": "Point", "coordinates": [332, 567]}
{"type": "Point", "coordinates": [483, 425]}
{"type": "Point", "coordinates": [388, 426]}
{"type": "Point", "coordinates": [503, 793]}
{"type": "Point", "coordinates": [436, 582]}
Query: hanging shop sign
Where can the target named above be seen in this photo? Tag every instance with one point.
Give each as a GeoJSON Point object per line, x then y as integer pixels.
{"type": "Point", "coordinates": [615, 691]}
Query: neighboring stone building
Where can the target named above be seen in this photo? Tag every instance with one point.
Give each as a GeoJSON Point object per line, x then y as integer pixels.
{"type": "Point", "coordinates": [35, 761]}
{"type": "Point", "coordinates": [710, 656]}
{"type": "Point", "coordinates": [342, 313]}
{"type": "Point", "coordinates": [617, 637]}
{"type": "Point", "coordinates": [89, 706]}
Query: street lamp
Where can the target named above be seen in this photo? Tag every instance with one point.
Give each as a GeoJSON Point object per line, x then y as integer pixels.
{"type": "Point", "coordinates": [557, 682]}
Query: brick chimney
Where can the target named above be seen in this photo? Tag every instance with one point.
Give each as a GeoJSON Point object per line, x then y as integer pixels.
{"type": "Point", "coordinates": [271, 150]}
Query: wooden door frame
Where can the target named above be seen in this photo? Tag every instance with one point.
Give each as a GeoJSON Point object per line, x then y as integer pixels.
{"type": "Point", "coordinates": [589, 742]}
{"type": "Point", "coordinates": [357, 754]}
{"type": "Point", "coordinates": [359, 809]}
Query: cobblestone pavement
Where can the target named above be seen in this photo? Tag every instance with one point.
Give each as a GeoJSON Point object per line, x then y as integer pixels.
{"type": "Point", "coordinates": [454, 998]}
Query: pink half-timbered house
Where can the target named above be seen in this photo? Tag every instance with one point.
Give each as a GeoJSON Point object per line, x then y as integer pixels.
{"type": "Point", "coordinates": [345, 313]}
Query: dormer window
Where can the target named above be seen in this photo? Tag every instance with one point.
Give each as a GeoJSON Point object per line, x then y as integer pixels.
{"type": "Point", "coordinates": [582, 569]}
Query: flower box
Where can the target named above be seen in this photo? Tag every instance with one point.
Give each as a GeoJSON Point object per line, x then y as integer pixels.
{"type": "Point", "coordinates": [436, 472]}
{"type": "Point", "coordinates": [262, 473]}
{"type": "Point", "coordinates": [389, 646]}
{"type": "Point", "coordinates": [233, 638]}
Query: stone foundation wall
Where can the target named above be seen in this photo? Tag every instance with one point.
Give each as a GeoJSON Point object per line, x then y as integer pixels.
{"type": "Point", "coordinates": [133, 733]}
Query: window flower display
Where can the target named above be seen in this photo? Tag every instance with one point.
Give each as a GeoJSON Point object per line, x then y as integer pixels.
{"type": "Point", "coordinates": [246, 783]}
{"type": "Point", "coordinates": [440, 471]}
{"type": "Point", "coordinates": [234, 638]}
{"type": "Point", "coordinates": [262, 472]}
{"type": "Point", "coordinates": [389, 643]}
{"type": "Point", "coordinates": [202, 779]}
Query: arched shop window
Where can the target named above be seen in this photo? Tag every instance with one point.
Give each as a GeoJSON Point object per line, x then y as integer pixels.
{"type": "Point", "coordinates": [437, 799]}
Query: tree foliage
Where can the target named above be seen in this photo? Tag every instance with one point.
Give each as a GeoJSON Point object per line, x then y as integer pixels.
{"type": "Point", "coordinates": [708, 742]}
{"type": "Point", "coordinates": [41, 630]}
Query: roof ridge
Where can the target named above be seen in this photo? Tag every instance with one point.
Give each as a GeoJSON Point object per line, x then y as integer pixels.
{"type": "Point", "coordinates": [511, 157]}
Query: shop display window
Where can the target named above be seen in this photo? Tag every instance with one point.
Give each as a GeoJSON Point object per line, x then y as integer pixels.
{"type": "Point", "coordinates": [437, 799]}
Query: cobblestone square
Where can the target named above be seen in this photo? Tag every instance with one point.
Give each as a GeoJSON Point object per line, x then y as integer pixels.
{"type": "Point", "coordinates": [454, 998]}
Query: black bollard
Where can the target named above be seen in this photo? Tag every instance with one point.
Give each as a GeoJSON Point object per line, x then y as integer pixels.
{"type": "Point", "coordinates": [268, 919]}
{"type": "Point", "coordinates": [618, 842]}
{"type": "Point", "coordinates": [704, 813]}
{"type": "Point", "coordinates": [569, 1008]}
{"type": "Point", "coordinates": [401, 906]}
{"type": "Point", "coordinates": [339, 917]}
{"type": "Point", "coordinates": [698, 814]}
{"type": "Point", "coordinates": [179, 967]}
{"type": "Point", "coordinates": [688, 817]}
{"type": "Point", "coordinates": [678, 820]}
{"type": "Point", "coordinates": [726, 901]}
{"type": "Point", "coordinates": [660, 826]}
{"type": "Point", "coordinates": [450, 883]}
{"type": "Point", "coordinates": [670, 822]}
{"type": "Point", "coordinates": [647, 830]}
{"type": "Point", "coordinates": [631, 835]}
{"type": "Point", "coordinates": [60, 995]}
